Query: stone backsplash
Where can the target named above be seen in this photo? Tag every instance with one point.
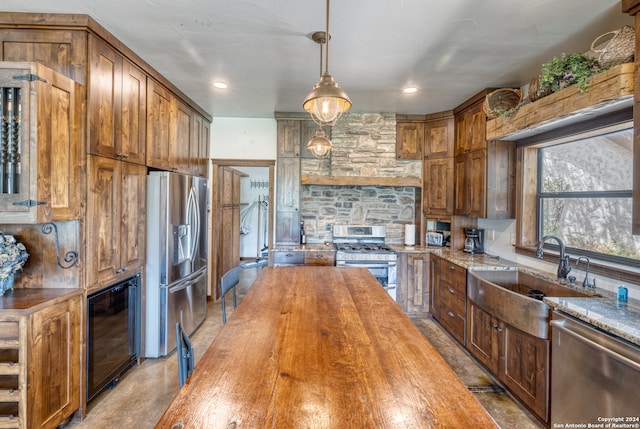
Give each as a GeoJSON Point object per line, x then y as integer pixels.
{"type": "Point", "coordinates": [364, 145]}
{"type": "Point", "coordinates": [323, 206]}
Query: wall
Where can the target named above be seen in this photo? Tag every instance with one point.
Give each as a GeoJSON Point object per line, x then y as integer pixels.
{"type": "Point", "coordinates": [243, 138]}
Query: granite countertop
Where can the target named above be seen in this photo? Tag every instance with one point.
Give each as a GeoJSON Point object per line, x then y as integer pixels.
{"type": "Point", "coordinates": [605, 312]}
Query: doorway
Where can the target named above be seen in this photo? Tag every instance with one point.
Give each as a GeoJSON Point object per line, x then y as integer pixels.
{"type": "Point", "coordinates": [251, 216]}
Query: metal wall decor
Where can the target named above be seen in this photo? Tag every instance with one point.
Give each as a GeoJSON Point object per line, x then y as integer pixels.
{"type": "Point", "coordinates": [71, 257]}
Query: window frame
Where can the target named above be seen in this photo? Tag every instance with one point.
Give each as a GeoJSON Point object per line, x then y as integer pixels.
{"type": "Point", "coordinates": [527, 207]}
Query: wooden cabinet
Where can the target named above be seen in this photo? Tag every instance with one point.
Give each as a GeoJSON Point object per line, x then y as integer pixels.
{"type": "Point", "coordinates": [40, 360]}
{"type": "Point", "coordinates": [410, 132]}
{"type": "Point", "coordinates": [117, 105]}
{"type": "Point", "coordinates": [40, 146]}
{"type": "Point", "coordinates": [437, 187]}
{"type": "Point", "coordinates": [519, 360]}
{"type": "Point", "coordinates": [286, 258]}
{"type": "Point", "coordinates": [199, 146]}
{"type": "Point", "coordinates": [287, 222]}
{"type": "Point", "coordinates": [439, 136]}
{"type": "Point", "coordinates": [229, 239]}
{"type": "Point", "coordinates": [449, 297]}
{"type": "Point", "coordinates": [158, 122]}
{"type": "Point", "coordinates": [320, 257]}
{"type": "Point", "coordinates": [116, 220]}
{"type": "Point", "coordinates": [413, 282]}
{"type": "Point", "coordinates": [438, 179]}
{"type": "Point", "coordinates": [484, 173]}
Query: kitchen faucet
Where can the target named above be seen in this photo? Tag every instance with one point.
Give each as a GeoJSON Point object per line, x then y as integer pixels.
{"type": "Point", "coordinates": [563, 264]}
{"type": "Point", "coordinates": [585, 282]}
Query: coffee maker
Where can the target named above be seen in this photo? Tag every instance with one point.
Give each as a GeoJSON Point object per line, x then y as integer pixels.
{"type": "Point", "coordinates": [474, 240]}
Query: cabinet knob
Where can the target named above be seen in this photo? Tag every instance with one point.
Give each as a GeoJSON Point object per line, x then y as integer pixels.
{"type": "Point", "coordinates": [125, 156]}
{"type": "Point", "coordinates": [451, 267]}
{"type": "Point", "coordinates": [496, 327]}
{"type": "Point", "coordinates": [451, 291]}
{"type": "Point", "coordinates": [451, 314]}
{"type": "Point", "coordinates": [119, 154]}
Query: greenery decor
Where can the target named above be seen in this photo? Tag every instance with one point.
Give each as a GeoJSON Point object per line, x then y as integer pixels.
{"type": "Point", "coordinates": [567, 70]}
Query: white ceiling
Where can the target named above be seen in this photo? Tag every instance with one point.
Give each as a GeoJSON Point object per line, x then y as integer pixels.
{"type": "Point", "coordinates": [450, 49]}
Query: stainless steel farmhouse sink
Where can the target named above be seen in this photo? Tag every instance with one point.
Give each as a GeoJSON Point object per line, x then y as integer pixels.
{"type": "Point", "coordinates": [515, 297]}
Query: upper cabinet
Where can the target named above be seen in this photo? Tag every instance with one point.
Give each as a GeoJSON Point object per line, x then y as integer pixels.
{"type": "Point", "coordinates": [177, 137]}
{"type": "Point", "coordinates": [117, 105]}
{"type": "Point", "coordinates": [484, 174]}
{"type": "Point", "coordinates": [437, 188]}
{"type": "Point", "coordinates": [40, 145]}
{"type": "Point", "coordinates": [410, 137]}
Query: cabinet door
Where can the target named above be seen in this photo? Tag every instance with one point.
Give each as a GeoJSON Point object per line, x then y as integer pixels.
{"type": "Point", "coordinates": [434, 303]}
{"type": "Point", "coordinates": [103, 220]}
{"type": "Point", "coordinates": [477, 128]}
{"type": "Point", "coordinates": [462, 141]}
{"type": "Point", "coordinates": [409, 140]}
{"type": "Point", "coordinates": [288, 138]}
{"type": "Point", "coordinates": [104, 98]}
{"type": "Point", "coordinates": [438, 186]}
{"type": "Point", "coordinates": [287, 228]}
{"type": "Point", "coordinates": [158, 118]}
{"type": "Point", "coordinates": [461, 205]}
{"type": "Point", "coordinates": [413, 282]}
{"type": "Point", "coordinates": [476, 185]}
{"type": "Point", "coordinates": [484, 336]}
{"type": "Point", "coordinates": [501, 162]}
{"type": "Point", "coordinates": [526, 369]}
{"type": "Point", "coordinates": [439, 138]}
{"type": "Point", "coordinates": [199, 146]}
{"type": "Point", "coordinates": [133, 217]}
{"type": "Point", "coordinates": [53, 388]}
{"type": "Point", "coordinates": [288, 182]}
{"type": "Point", "coordinates": [180, 136]}
{"type": "Point", "coordinates": [132, 130]}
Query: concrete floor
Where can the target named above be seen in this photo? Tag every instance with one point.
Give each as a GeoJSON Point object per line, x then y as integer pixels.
{"type": "Point", "coordinates": [146, 390]}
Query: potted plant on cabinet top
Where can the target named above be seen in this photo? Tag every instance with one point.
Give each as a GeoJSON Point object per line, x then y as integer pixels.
{"type": "Point", "coordinates": [13, 256]}
{"type": "Point", "coordinates": [567, 70]}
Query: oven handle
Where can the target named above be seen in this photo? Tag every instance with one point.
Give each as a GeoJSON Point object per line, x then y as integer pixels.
{"type": "Point", "coordinates": [366, 264]}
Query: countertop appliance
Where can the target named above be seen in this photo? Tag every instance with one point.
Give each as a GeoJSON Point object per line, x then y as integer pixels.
{"type": "Point", "coordinates": [474, 240]}
{"type": "Point", "coordinates": [112, 334]}
{"type": "Point", "coordinates": [363, 246]}
{"type": "Point", "coordinates": [594, 375]}
{"type": "Point", "coordinates": [176, 270]}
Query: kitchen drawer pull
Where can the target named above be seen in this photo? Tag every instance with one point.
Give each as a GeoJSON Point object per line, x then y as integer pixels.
{"type": "Point", "coordinates": [451, 291]}
{"type": "Point", "coordinates": [496, 327]}
{"type": "Point", "coordinates": [451, 267]}
{"type": "Point", "coordinates": [289, 255]}
{"type": "Point", "coordinates": [451, 314]}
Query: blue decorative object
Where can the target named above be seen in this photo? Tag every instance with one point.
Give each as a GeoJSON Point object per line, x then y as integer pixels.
{"type": "Point", "coordinates": [6, 284]}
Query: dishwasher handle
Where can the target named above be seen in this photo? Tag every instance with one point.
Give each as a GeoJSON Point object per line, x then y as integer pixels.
{"type": "Point", "coordinates": [560, 326]}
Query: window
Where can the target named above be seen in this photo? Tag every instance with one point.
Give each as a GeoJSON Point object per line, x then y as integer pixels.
{"type": "Point", "coordinates": [584, 194]}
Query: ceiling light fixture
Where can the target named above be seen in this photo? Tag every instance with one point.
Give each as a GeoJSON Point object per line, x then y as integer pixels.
{"type": "Point", "coordinates": [220, 85]}
{"type": "Point", "coordinates": [319, 144]}
{"type": "Point", "coordinates": [327, 101]}
{"type": "Point", "coordinates": [410, 90]}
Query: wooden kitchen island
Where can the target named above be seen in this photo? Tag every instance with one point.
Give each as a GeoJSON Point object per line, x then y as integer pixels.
{"type": "Point", "coordinates": [322, 347]}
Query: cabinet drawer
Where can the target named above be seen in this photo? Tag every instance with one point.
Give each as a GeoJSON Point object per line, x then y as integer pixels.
{"type": "Point", "coordinates": [319, 258]}
{"type": "Point", "coordinates": [284, 258]}
{"type": "Point", "coordinates": [453, 322]}
{"type": "Point", "coordinates": [455, 275]}
{"type": "Point", "coordinates": [453, 298]}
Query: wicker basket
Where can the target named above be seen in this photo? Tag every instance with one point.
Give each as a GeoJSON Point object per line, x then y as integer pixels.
{"type": "Point", "coordinates": [615, 47]}
{"type": "Point", "coordinates": [534, 88]}
{"type": "Point", "coordinates": [500, 101]}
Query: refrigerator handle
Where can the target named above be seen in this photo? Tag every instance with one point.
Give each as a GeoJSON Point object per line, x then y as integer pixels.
{"type": "Point", "coordinates": [187, 283]}
{"type": "Point", "coordinates": [195, 216]}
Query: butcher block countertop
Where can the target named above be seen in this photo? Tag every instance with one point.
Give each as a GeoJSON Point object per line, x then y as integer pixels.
{"type": "Point", "coordinates": [322, 347]}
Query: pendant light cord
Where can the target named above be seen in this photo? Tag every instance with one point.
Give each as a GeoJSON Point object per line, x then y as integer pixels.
{"type": "Point", "coordinates": [327, 36]}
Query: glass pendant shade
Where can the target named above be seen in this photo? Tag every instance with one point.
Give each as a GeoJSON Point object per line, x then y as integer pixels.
{"type": "Point", "coordinates": [319, 144]}
{"type": "Point", "coordinates": [327, 101]}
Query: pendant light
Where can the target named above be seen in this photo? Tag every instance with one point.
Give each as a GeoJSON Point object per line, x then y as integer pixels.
{"type": "Point", "coordinates": [327, 101]}
{"type": "Point", "coordinates": [319, 144]}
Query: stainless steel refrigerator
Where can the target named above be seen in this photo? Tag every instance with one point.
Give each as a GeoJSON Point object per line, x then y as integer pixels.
{"type": "Point", "coordinates": [176, 270]}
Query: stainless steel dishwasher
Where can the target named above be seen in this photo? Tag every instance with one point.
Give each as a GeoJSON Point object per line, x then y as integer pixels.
{"type": "Point", "coordinates": [594, 375]}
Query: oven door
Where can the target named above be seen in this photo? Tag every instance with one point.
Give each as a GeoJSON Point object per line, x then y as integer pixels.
{"type": "Point", "coordinates": [384, 272]}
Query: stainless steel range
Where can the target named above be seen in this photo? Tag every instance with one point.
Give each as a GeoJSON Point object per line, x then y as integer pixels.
{"type": "Point", "coordinates": [363, 246]}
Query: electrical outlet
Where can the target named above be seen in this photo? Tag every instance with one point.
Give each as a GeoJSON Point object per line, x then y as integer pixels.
{"type": "Point", "coordinates": [490, 234]}
{"type": "Point", "coordinates": [327, 227]}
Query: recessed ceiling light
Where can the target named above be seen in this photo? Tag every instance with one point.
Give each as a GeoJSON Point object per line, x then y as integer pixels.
{"type": "Point", "coordinates": [410, 90]}
{"type": "Point", "coordinates": [220, 85]}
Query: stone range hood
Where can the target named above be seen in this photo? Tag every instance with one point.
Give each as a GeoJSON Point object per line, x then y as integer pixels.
{"type": "Point", "coordinates": [364, 154]}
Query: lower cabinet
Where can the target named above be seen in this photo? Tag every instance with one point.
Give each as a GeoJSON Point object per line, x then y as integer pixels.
{"type": "Point", "coordinates": [286, 258]}
{"type": "Point", "coordinates": [519, 360]}
{"type": "Point", "coordinates": [320, 258]}
{"type": "Point", "coordinates": [40, 364]}
{"type": "Point", "coordinates": [449, 297]}
{"type": "Point", "coordinates": [413, 287]}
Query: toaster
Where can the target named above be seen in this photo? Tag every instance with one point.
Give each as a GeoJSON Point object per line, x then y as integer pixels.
{"type": "Point", "coordinates": [435, 238]}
